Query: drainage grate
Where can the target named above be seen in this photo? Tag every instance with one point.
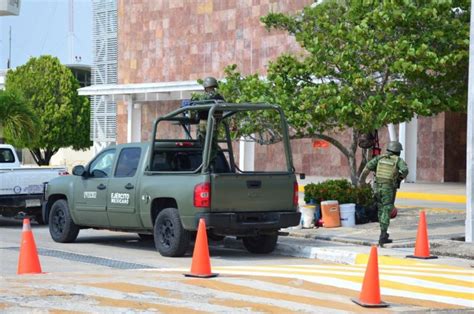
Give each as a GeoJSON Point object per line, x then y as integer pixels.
{"type": "Point", "coordinates": [89, 259]}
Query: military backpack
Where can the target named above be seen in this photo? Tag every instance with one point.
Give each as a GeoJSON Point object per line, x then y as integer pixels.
{"type": "Point", "coordinates": [387, 171]}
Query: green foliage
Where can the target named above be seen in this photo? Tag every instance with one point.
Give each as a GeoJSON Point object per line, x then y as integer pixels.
{"type": "Point", "coordinates": [17, 120]}
{"type": "Point", "coordinates": [341, 190]}
{"type": "Point", "coordinates": [364, 196]}
{"type": "Point", "coordinates": [50, 89]}
{"type": "Point", "coordinates": [365, 64]}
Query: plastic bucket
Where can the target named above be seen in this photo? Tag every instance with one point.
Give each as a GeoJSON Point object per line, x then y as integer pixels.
{"type": "Point", "coordinates": [347, 214]}
{"type": "Point", "coordinates": [307, 215]}
{"type": "Point", "coordinates": [330, 213]}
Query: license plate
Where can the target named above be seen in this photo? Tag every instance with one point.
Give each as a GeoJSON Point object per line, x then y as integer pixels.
{"type": "Point", "coordinates": [33, 203]}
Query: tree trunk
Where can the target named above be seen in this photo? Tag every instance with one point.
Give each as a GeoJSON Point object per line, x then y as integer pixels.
{"type": "Point", "coordinates": [43, 158]}
{"type": "Point", "coordinates": [350, 154]}
{"type": "Point", "coordinates": [352, 157]}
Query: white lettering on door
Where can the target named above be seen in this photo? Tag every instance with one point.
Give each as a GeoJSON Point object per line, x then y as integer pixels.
{"type": "Point", "coordinates": [90, 194]}
{"type": "Point", "coordinates": [119, 198]}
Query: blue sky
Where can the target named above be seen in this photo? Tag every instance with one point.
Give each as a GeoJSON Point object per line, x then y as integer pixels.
{"type": "Point", "coordinates": [42, 28]}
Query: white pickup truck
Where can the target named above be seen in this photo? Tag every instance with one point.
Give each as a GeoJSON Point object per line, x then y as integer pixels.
{"type": "Point", "coordinates": [21, 187]}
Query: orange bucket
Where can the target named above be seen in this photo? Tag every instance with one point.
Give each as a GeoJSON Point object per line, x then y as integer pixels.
{"type": "Point", "coordinates": [330, 212]}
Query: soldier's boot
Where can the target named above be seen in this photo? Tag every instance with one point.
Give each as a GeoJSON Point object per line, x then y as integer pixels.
{"type": "Point", "coordinates": [384, 238]}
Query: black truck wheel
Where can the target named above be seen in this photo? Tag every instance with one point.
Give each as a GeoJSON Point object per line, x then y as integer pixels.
{"type": "Point", "coordinates": [261, 244]}
{"type": "Point", "coordinates": [61, 226]}
{"type": "Point", "coordinates": [171, 239]}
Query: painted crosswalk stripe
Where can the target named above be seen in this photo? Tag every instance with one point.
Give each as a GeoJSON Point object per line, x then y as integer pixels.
{"type": "Point", "coordinates": [455, 286]}
{"type": "Point", "coordinates": [459, 283]}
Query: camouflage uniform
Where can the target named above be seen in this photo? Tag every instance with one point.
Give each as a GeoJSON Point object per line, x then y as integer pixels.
{"type": "Point", "coordinates": [210, 84]}
{"type": "Point", "coordinates": [389, 169]}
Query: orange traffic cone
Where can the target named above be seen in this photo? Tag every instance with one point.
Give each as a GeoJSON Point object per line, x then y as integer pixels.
{"type": "Point", "coordinates": [422, 246]}
{"type": "Point", "coordinates": [28, 262]}
{"type": "Point", "coordinates": [370, 293]}
{"type": "Point", "coordinates": [201, 265]}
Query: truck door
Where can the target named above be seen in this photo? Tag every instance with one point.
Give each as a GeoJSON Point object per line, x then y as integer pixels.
{"type": "Point", "coordinates": [121, 196]}
{"type": "Point", "coordinates": [91, 191]}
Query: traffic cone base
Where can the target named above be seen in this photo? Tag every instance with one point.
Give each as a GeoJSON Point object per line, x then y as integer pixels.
{"type": "Point", "coordinates": [201, 276]}
{"type": "Point", "coordinates": [201, 264]}
{"type": "Point", "coordinates": [359, 302]}
{"type": "Point", "coordinates": [422, 257]}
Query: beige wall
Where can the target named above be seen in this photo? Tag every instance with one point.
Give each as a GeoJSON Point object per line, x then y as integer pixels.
{"type": "Point", "coordinates": [70, 158]}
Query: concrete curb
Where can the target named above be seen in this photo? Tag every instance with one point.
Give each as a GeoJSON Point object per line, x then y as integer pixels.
{"type": "Point", "coordinates": [333, 255]}
{"type": "Point", "coordinates": [304, 251]}
{"type": "Point", "coordinates": [313, 252]}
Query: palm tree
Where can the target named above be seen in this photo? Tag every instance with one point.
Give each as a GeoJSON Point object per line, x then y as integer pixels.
{"type": "Point", "coordinates": [17, 120]}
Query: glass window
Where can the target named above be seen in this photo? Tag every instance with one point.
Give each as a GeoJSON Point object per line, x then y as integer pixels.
{"type": "Point", "coordinates": [186, 161]}
{"type": "Point", "coordinates": [6, 155]}
{"type": "Point", "coordinates": [102, 164]}
{"type": "Point", "coordinates": [128, 162]}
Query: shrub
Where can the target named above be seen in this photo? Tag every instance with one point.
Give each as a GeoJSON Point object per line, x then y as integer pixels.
{"type": "Point", "coordinates": [341, 190]}
{"type": "Point", "coordinates": [364, 196]}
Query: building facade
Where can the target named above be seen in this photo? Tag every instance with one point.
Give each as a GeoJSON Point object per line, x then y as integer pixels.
{"type": "Point", "coordinates": [175, 42]}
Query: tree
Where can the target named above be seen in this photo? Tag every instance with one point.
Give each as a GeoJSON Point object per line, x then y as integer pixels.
{"type": "Point", "coordinates": [364, 64]}
{"type": "Point", "coordinates": [17, 121]}
{"type": "Point", "coordinates": [50, 89]}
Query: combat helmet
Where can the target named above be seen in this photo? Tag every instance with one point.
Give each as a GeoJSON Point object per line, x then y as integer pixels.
{"type": "Point", "coordinates": [394, 147]}
{"type": "Point", "coordinates": [209, 82]}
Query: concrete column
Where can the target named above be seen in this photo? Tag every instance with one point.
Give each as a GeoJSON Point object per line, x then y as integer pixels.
{"type": "Point", "coordinates": [137, 123]}
{"type": "Point", "coordinates": [470, 140]}
{"type": "Point", "coordinates": [246, 155]}
{"type": "Point", "coordinates": [134, 121]}
{"type": "Point", "coordinates": [391, 132]}
{"type": "Point", "coordinates": [408, 137]}
{"type": "Point", "coordinates": [402, 138]}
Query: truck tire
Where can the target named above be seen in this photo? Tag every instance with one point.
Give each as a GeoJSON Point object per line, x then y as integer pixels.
{"type": "Point", "coordinates": [61, 226]}
{"type": "Point", "coordinates": [261, 244]}
{"type": "Point", "coordinates": [171, 239]}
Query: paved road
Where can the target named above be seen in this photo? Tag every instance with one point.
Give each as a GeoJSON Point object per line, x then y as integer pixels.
{"type": "Point", "coordinates": [115, 272]}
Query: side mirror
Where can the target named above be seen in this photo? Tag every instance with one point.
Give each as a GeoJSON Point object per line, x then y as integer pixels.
{"type": "Point", "coordinates": [79, 170]}
{"type": "Point", "coordinates": [302, 176]}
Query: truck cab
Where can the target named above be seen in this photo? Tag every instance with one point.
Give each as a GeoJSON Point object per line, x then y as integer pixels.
{"type": "Point", "coordinates": [8, 157]}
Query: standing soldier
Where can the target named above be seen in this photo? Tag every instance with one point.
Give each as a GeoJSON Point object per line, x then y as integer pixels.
{"type": "Point", "coordinates": [390, 170]}
{"type": "Point", "coordinates": [210, 93]}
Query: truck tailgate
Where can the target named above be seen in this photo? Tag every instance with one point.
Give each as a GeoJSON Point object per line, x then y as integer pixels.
{"type": "Point", "coordinates": [251, 192]}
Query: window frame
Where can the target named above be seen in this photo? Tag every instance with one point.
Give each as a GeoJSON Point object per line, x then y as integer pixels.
{"type": "Point", "coordinates": [97, 158]}
{"type": "Point", "coordinates": [121, 154]}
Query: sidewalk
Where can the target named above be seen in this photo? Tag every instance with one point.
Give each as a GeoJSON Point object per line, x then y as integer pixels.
{"type": "Point", "coordinates": [445, 207]}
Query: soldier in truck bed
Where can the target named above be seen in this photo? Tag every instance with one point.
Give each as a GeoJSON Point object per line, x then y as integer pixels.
{"type": "Point", "coordinates": [210, 93]}
{"type": "Point", "coordinates": [390, 169]}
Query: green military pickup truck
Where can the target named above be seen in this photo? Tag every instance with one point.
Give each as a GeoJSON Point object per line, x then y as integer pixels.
{"type": "Point", "coordinates": [162, 188]}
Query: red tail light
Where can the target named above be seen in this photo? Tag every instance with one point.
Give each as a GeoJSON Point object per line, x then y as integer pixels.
{"type": "Point", "coordinates": [295, 193]}
{"type": "Point", "coordinates": [184, 144]}
{"type": "Point", "coordinates": [202, 195]}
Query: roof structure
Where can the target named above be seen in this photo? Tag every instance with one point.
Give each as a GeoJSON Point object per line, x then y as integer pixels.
{"type": "Point", "coordinates": [143, 92]}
